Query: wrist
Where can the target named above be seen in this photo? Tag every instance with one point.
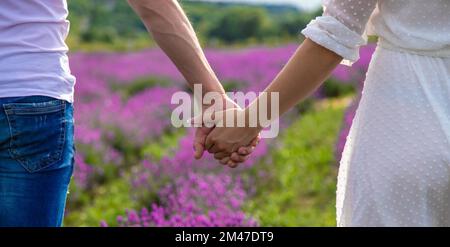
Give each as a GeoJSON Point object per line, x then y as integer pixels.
{"type": "Point", "coordinates": [221, 102]}
{"type": "Point", "coordinates": [212, 85]}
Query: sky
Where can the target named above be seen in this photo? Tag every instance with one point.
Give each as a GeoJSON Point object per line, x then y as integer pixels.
{"type": "Point", "coordinates": [304, 4]}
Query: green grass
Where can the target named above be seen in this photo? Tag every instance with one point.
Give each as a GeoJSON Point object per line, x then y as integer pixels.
{"type": "Point", "coordinates": [109, 201]}
{"type": "Point", "coordinates": [165, 144]}
{"type": "Point", "coordinates": [301, 183]}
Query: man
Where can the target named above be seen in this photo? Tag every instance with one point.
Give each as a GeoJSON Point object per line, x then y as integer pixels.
{"type": "Point", "coordinates": [36, 94]}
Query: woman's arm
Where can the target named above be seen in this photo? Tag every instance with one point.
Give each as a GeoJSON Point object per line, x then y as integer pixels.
{"type": "Point", "coordinates": [308, 68]}
{"type": "Point", "coordinates": [332, 37]}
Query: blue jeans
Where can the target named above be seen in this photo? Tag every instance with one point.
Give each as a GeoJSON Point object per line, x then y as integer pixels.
{"type": "Point", "coordinates": [36, 160]}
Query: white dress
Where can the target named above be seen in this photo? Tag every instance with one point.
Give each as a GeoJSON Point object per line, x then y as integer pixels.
{"type": "Point", "coordinates": [395, 168]}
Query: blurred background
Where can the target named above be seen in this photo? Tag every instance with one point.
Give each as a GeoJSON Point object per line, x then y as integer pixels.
{"type": "Point", "coordinates": [134, 169]}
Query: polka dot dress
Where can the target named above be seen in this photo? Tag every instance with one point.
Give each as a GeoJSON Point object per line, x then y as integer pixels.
{"type": "Point", "coordinates": [395, 168]}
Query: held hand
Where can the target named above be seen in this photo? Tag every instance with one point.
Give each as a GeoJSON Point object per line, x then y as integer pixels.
{"type": "Point", "coordinates": [201, 134]}
{"type": "Point", "coordinates": [237, 157]}
{"type": "Point", "coordinates": [230, 144]}
{"type": "Point", "coordinates": [199, 141]}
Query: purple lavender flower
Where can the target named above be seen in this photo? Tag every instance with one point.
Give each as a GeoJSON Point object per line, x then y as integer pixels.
{"type": "Point", "coordinates": [189, 192]}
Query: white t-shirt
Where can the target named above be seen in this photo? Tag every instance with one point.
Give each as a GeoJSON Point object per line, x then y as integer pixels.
{"type": "Point", "coordinates": [33, 53]}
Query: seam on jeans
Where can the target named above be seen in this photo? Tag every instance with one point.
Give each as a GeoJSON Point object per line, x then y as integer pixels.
{"type": "Point", "coordinates": [62, 133]}
{"type": "Point", "coordinates": [11, 138]}
{"type": "Point", "coordinates": [38, 107]}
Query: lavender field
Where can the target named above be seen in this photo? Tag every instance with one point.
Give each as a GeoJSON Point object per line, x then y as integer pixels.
{"type": "Point", "coordinates": [134, 169]}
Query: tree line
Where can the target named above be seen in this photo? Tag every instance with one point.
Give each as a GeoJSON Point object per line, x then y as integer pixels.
{"type": "Point", "coordinates": [113, 22]}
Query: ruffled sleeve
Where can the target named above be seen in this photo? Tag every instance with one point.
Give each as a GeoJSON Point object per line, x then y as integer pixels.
{"type": "Point", "coordinates": [341, 27]}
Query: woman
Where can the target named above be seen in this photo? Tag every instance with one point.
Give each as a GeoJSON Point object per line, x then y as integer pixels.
{"type": "Point", "coordinates": [395, 169]}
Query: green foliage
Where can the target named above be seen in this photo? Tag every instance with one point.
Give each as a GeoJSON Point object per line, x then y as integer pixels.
{"type": "Point", "coordinates": [163, 146]}
{"type": "Point", "coordinates": [232, 85]}
{"type": "Point", "coordinates": [239, 24]}
{"type": "Point", "coordinates": [106, 19]}
{"type": "Point", "coordinates": [332, 88]}
{"type": "Point", "coordinates": [305, 106]}
{"type": "Point", "coordinates": [112, 24]}
{"type": "Point", "coordinates": [129, 89]}
{"type": "Point", "coordinates": [105, 203]}
{"type": "Point", "coordinates": [105, 24]}
{"type": "Point", "coordinates": [299, 188]}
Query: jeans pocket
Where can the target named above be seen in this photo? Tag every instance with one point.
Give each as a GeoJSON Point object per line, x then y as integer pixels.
{"type": "Point", "coordinates": [37, 133]}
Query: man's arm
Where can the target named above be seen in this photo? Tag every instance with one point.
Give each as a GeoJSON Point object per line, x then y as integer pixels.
{"type": "Point", "coordinates": [171, 29]}
{"type": "Point", "coordinates": [173, 32]}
